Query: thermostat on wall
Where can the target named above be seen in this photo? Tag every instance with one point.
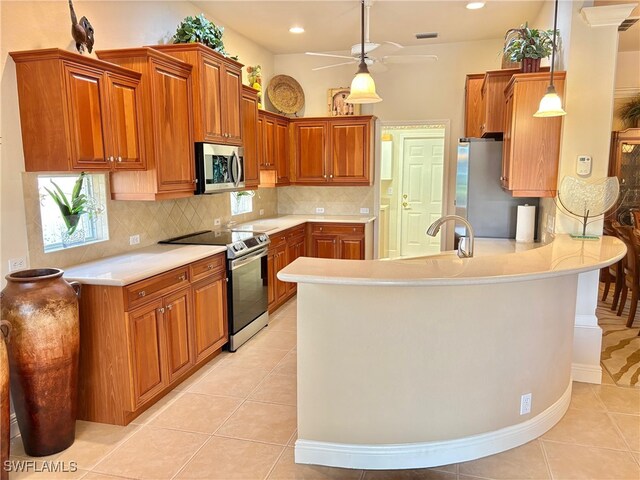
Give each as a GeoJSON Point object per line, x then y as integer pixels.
{"type": "Point", "coordinates": [584, 165]}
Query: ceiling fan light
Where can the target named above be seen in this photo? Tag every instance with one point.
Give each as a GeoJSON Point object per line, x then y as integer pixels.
{"type": "Point", "coordinates": [550, 105]}
{"type": "Point", "coordinates": [296, 29]}
{"type": "Point", "coordinates": [475, 5]}
{"type": "Point", "coordinates": [363, 89]}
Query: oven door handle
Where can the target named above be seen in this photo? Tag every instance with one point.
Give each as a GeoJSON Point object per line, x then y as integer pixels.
{"type": "Point", "coordinates": [241, 262]}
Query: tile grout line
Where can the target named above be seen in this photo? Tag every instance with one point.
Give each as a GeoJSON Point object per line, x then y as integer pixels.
{"type": "Point", "coordinates": [619, 431]}
{"type": "Point", "coordinates": [191, 457]}
{"type": "Point", "coordinates": [273, 467]}
{"type": "Point", "coordinates": [546, 458]}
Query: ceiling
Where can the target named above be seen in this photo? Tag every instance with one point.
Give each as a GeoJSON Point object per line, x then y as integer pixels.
{"type": "Point", "coordinates": [335, 25]}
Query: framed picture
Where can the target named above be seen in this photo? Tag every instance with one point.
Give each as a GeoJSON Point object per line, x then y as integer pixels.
{"type": "Point", "coordinates": [337, 105]}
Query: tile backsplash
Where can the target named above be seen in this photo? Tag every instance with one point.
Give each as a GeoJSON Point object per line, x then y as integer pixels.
{"type": "Point", "coordinates": [334, 200]}
{"type": "Point", "coordinates": [153, 221]}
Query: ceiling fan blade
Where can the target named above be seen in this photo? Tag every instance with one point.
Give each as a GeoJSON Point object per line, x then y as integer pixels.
{"type": "Point", "coordinates": [334, 65]}
{"type": "Point", "coordinates": [389, 59]}
{"type": "Point", "coordinates": [387, 48]}
{"type": "Point", "coordinates": [318, 54]}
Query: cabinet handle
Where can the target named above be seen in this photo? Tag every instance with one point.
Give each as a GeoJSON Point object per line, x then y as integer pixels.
{"type": "Point", "coordinates": [141, 293]}
{"type": "Point", "coordinates": [210, 266]}
{"type": "Point", "coordinates": [161, 310]}
{"type": "Point", "coordinates": [182, 277]}
{"type": "Point", "coordinates": [169, 307]}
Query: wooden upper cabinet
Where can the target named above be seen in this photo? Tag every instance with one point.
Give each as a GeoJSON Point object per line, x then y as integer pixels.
{"type": "Point", "coordinates": [473, 105]}
{"type": "Point", "coordinates": [274, 141]}
{"type": "Point", "coordinates": [167, 105]}
{"type": "Point", "coordinates": [269, 138]}
{"type": "Point", "coordinates": [332, 150]}
{"type": "Point", "coordinates": [282, 152]}
{"type": "Point", "coordinates": [78, 113]}
{"type": "Point", "coordinates": [532, 146]}
{"type": "Point", "coordinates": [310, 155]}
{"type": "Point", "coordinates": [250, 135]}
{"type": "Point", "coordinates": [217, 92]}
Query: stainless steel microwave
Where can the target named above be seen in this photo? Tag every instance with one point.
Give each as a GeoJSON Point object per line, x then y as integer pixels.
{"type": "Point", "coordinates": [219, 168]}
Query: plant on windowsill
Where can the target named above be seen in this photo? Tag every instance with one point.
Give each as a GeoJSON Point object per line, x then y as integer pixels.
{"type": "Point", "coordinates": [630, 112]}
{"type": "Point", "coordinates": [528, 46]}
{"type": "Point", "coordinates": [72, 208]}
{"type": "Point", "coordinates": [200, 30]}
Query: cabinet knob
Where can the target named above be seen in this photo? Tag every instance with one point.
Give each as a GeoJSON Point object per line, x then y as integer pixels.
{"type": "Point", "coordinates": [324, 176]}
{"type": "Point", "coordinates": [119, 159]}
{"type": "Point", "coordinates": [501, 178]}
{"type": "Point", "coordinates": [330, 176]}
{"type": "Point", "coordinates": [354, 229]}
{"type": "Point", "coordinates": [210, 266]}
{"type": "Point", "coordinates": [182, 277]}
{"type": "Point", "coordinates": [320, 228]}
{"type": "Point", "coordinates": [111, 158]}
{"type": "Point", "coordinates": [161, 310]}
{"type": "Point", "coordinates": [141, 293]}
{"type": "Point", "coordinates": [169, 307]}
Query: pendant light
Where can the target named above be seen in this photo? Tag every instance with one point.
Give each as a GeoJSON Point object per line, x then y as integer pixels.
{"type": "Point", "coordinates": [363, 88]}
{"type": "Point", "coordinates": [551, 103]}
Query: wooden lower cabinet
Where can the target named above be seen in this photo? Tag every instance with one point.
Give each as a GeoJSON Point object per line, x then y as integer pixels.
{"type": "Point", "coordinates": [139, 341]}
{"type": "Point", "coordinates": [276, 261]}
{"type": "Point", "coordinates": [338, 241]}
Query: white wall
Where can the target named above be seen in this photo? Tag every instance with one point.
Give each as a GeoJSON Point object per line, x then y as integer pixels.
{"type": "Point", "coordinates": [29, 25]}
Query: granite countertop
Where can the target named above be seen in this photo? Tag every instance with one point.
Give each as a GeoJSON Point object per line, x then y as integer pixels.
{"type": "Point", "coordinates": [562, 256]}
{"type": "Point", "coordinates": [121, 270]}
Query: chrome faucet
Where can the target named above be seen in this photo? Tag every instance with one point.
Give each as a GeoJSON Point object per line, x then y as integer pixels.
{"type": "Point", "coordinates": [434, 228]}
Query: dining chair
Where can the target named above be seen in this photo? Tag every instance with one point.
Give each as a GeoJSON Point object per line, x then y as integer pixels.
{"type": "Point", "coordinates": [609, 275]}
{"type": "Point", "coordinates": [631, 272]}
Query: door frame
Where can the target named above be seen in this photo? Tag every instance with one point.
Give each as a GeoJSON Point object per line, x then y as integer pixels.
{"type": "Point", "coordinates": [448, 175]}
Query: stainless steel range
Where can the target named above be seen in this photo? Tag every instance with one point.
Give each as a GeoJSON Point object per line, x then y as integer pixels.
{"type": "Point", "coordinates": [247, 277]}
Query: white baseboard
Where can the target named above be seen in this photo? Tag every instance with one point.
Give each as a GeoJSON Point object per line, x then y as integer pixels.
{"type": "Point", "coordinates": [430, 454]}
{"type": "Point", "coordinates": [581, 372]}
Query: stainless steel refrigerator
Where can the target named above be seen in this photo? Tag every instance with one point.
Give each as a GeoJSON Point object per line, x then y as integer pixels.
{"type": "Point", "coordinates": [479, 195]}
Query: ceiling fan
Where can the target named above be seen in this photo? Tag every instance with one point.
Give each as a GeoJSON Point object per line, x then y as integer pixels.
{"type": "Point", "coordinates": [377, 55]}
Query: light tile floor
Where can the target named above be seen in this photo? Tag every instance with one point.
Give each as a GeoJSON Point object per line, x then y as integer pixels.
{"type": "Point", "coordinates": [236, 419]}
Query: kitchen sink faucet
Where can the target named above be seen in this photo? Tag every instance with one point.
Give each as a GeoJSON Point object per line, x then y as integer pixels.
{"type": "Point", "coordinates": [434, 228]}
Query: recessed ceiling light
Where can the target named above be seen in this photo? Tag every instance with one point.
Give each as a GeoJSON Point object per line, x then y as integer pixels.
{"type": "Point", "coordinates": [296, 30]}
{"type": "Point", "coordinates": [475, 5]}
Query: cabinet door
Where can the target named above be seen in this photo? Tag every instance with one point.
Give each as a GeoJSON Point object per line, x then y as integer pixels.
{"type": "Point", "coordinates": [310, 140]}
{"type": "Point", "coordinates": [351, 248]}
{"type": "Point", "coordinates": [173, 130]}
{"type": "Point", "coordinates": [232, 93]}
{"type": "Point", "coordinates": [324, 246]}
{"type": "Point", "coordinates": [507, 153]}
{"type": "Point", "coordinates": [177, 315]}
{"type": "Point", "coordinates": [271, 270]}
{"type": "Point", "coordinates": [211, 110]}
{"type": "Point", "coordinates": [210, 316]}
{"type": "Point", "coordinates": [269, 142]}
{"type": "Point", "coordinates": [282, 152]}
{"type": "Point", "coordinates": [250, 139]}
{"type": "Point", "coordinates": [146, 341]}
{"type": "Point", "coordinates": [473, 111]}
{"type": "Point", "coordinates": [85, 94]}
{"type": "Point", "coordinates": [126, 125]}
{"type": "Point", "coordinates": [280, 262]}
{"type": "Point", "coordinates": [493, 100]}
{"type": "Point", "coordinates": [349, 161]}
{"type": "Point", "coordinates": [262, 149]}
{"type": "Point", "coordinates": [295, 250]}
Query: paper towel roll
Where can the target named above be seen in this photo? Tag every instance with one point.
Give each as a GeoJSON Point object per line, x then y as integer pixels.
{"type": "Point", "coordinates": [526, 223]}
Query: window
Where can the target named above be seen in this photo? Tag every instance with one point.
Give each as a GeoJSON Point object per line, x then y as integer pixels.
{"type": "Point", "coordinates": [242, 202]}
{"type": "Point", "coordinates": [89, 225]}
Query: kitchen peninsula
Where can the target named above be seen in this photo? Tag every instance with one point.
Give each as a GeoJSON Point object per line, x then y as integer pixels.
{"type": "Point", "coordinates": [429, 361]}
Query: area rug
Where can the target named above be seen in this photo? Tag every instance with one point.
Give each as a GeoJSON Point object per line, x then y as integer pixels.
{"type": "Point", "coordinates": [620, 345]}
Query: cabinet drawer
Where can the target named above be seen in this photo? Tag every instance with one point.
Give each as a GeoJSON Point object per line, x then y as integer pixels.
{"type": "Point", "coordinates": [154, 287]}
{"type": "Point", "coordinates": [207, 266]}
{"type": "Point", "coordinates": [278, 239]}
{"type": "Point", "coordinates": [337, 228]}
{"type": "Point", "coordinates": [295, 232]}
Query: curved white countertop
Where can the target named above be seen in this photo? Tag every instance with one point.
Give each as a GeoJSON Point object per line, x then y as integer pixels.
{"type": "Point", "coordinates": [142, 263]}
{"type": "Point", "coordinates": [562, 256]}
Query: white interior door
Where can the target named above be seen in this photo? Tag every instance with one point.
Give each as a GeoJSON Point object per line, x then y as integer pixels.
{"type": "Point", "coordinates": [421, 196]}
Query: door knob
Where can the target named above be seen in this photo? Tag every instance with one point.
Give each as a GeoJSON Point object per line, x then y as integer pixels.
{"type": "Point", "coordinates": [405, 204]}
{"type": "Point", "coordinates": [405, 196]}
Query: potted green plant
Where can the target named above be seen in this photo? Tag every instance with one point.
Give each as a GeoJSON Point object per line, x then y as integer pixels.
{"type": "Point", "coordinates": [528, 46]}
{"type": "Point", "coordinates": [201, 30]}
{"type": "Point", "coordinates": [70, 208]}
{"type": "Point", "coordinates": [630, 112]}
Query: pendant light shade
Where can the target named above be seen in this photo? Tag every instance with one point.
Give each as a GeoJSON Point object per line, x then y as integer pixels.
{"type": "Point", "coordinates": [363, 88]}
{"type": "Point", "coordinates": [551, 103]}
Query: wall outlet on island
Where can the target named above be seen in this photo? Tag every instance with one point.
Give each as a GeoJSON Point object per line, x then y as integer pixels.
{"type": "Point", "coordinates": [19, 263]}
{"type": "Point", "coordinates": [364, 211]}
{"type": "Point", "coordinates": [134, 239]}
{"type": "Point", "coordinates": [525, 404]}
{"type": "Point", "coordinates": [216, 222]}
{"type": "Point", "coordinates": [319, 210]}
{"type": "Point", "coordinates": [261, 211]}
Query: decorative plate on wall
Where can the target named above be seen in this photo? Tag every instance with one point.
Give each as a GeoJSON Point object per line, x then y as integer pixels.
{"type": "Point", "coordinates": [286, 94]}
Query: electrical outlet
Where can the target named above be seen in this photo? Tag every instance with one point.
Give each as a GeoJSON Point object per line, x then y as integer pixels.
{"type": "Point", "coordinates": [17, 264]}
{"type": "Point", "coordinates": [390, 191]}
{"type": "Point", "coordinates": [261, 211]}
{"type": "Point", "coordinates": [551, 223]}
{"type": "Point", "coordinates": [134, 239]}
{"type": "Point", "coordinates": [216, 222]}
{"type": "Point", "coordinates": [319, 210]}
{"type": "Point", "coordinates": [364, 210]}
{"type": "Point", "coordinates": [525, 404]}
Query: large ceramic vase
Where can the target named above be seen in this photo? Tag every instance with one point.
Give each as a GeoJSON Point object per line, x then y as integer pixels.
{"type": "Point", "coordinates": [42, 310]}
{"type": "Point", "coordinates": [5, 426]}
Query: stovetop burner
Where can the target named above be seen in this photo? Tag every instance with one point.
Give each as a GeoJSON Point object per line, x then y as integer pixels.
{"type": "Point", "coordinates": [238, 243]}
